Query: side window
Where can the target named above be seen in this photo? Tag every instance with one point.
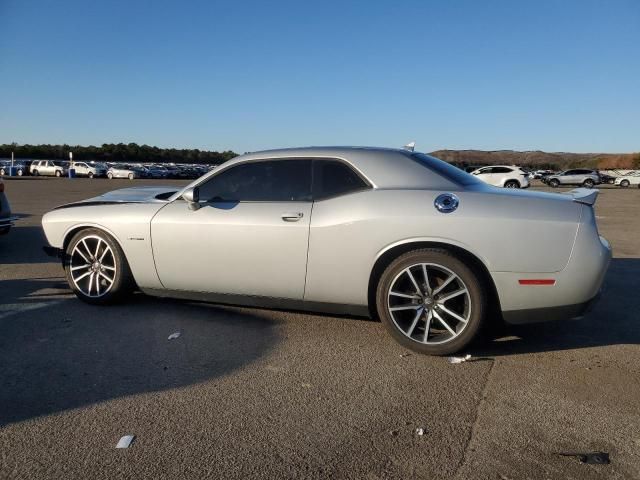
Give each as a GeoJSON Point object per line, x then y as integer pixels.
{"type": "Point", "coordinates": [332, 178]}
{"type": "Point", "coordinates": [570, 172]}
{"type": "Point", "coordinates": [502, 170]}
{"type": "Point", "coordinates": [261, 181]}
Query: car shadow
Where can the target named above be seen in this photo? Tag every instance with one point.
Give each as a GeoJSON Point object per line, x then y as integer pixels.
{"type": "Point", "coordinates": [23, 244]}
{"type": "Point", "coordinates": [58, 353]}
{"type": "Point", "coordinates": [612, 321]}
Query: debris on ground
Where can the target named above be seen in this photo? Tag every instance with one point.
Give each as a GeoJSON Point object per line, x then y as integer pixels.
{"type": "Point", "coordinates": [125, 441]}
{"type": "Point", "coordinates": [459, 359]}
{"type": "Point", "coordinates": [592, 458]}
{"type": "Point", "coordinates": [173, 336]}
{"type": "Point", "coordinates": [402, 355]}
{"type": "Point", "coordinates": [421, 431]}
{"type": "Point", "coordinates": [394, 433]}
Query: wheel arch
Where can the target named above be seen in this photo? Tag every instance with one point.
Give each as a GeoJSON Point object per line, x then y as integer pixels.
{"type": "Point", "coordinates": [477, 264]}
{"type": "Point", "coordinates": [71, 232]}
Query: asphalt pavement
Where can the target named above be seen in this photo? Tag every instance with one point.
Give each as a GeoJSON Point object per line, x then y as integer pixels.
{"type": "Point", "coordinates": [251, 393]}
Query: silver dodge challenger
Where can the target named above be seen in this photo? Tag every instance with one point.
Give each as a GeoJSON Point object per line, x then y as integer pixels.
{"type": "Point", "coordinates": [430, 250]}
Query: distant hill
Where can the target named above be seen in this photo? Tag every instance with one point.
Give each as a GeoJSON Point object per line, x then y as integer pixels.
{"type": "Point", "coordinates": [538, 159]}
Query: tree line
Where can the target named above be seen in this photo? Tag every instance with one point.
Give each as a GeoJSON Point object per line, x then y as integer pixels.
{"type": "Point", "coordinates": [116, 152]}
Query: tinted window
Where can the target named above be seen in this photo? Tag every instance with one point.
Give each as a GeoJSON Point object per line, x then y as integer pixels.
{"type": "Point", "coordinates": [446, 170]}
{"type": "Point", "coordinates": [262, 181]}
{"type": "Point", "coordinates": [332, 177]}
{"type": "Point", "coordinates": [501, 170]}
{"type": "Point", "coordinates": [570, 172]}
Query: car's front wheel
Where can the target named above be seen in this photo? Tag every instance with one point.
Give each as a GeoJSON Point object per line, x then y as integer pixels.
{"type": "Point", "coordinates": [625, 183]}
{"type": "Point", "coordinates": [58, 173]}
{"type": "Point", "coordinates": [431, 302]}
{"type": "Point", "coordinates": [512, 184]}
{"type": "Point", "coordinates": [110, 176]}
{"type": "Point", "coordinates": [130, 176]}
{"type": "Point", "coordinates": [554, 183]}
{"type": "Point", "coordinates": [588, 183]}
{"type": "Point", "coordinates": [96, 268]}
{"type": "Point", "coordinates": [90, 174]}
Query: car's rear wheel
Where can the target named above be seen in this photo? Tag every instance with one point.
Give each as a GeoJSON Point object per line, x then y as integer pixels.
{"type": "Point", "coordinates": [96, 268]}
{"type": "Point", "coordinates": [431, 302]}
{"type": "Point", "coordinates": [554, 183]}
{"type": "Point", "coordinates": [588, 183]}
{"type": "Point", "coordinates": [625, 183]}
{"type": "Point", "coordinates": [35, 173]}
{"type": "Point", "coordinates": [512, 184]}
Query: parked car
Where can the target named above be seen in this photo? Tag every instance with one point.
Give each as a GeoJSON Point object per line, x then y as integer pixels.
{"type": "Point", "coordinates": [6, 220]}
{"type": "Point", "coordinates": [20, 167]}
{"type": "Point", "coordinates": [539, 174]}
{"type": "Point", "coordinates": [628, 180]}
{"type": "Point", "coordinates": [430, 250]}
{"type": "Point", "coordinates": [123, 171]}
{"type": "Point", "coordinates": [84, 169]}
{"type": "Point", "coordinates": [585, 178]}
{"type": "Point", "coordinates": [605, 178]}
{"type": "Point", "coordinates": [503, 176]}
{"type": "Point", "coordinates": [48, 168]}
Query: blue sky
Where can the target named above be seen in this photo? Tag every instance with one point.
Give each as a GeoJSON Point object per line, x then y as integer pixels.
{"type": "Point", "coordinates": [552, 75]}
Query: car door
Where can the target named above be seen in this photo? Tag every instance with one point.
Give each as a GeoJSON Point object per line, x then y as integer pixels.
{"type": "Point", "coordinates": [249, 236]}
{"type": "Point", "coordinates": [568, 177]}
{"type": "Point", "coordinates": [485, 174]}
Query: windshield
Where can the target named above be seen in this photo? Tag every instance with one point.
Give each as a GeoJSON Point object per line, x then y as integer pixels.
{"type": "Point", "coordinates": [446, 170]}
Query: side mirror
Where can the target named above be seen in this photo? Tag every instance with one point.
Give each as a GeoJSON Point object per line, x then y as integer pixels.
{"type": "Point", "coordinates": [192, 197]}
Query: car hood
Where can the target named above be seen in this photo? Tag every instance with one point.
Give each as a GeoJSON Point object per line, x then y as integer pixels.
{"type": "Point", "coordinates": [128, 195]}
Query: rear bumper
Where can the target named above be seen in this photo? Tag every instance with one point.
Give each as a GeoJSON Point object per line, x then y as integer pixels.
{"type": "Point", "coordinates": [551, 314]}
{"type": "Point", "coordinates": [573, 291]}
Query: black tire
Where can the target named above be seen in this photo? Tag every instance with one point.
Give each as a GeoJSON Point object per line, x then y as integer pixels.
{"type": "Point", "coordinates": [90, 175]}
{"type": "Point", "coordinates": [110, 176]}
{"type": "Point", "coordinates": [588, 183]}
{"type": "Point", "coordinates": [130, 176]}
{"type": "Point", "coordinates": [5, 230]}
{"type": "Point", "coordinates": [512, 184]}
{"type": "Point", "coordinates": [20, 172]}
{"type": "Point", "coordinates": [123, 283]}
{"type": "Point", "coordinates": [58, 173]}
{"type": "Point", "coordinates": [35, 173]}
{"type": "Point", "coordinates": [625, 183]}
{"type": "Point", "coordinates": [554, 183]}
{"type": "Point", "coordinates": [443, 258]}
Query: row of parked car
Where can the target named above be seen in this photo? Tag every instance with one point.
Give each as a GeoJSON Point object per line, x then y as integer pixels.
{"type": "Point", "coordinates": [56, 168]}
{"type": "Point", "coordinates": [516, 177]}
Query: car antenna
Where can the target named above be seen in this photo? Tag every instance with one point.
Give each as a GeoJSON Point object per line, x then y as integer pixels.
{"type": "Point", "coordinates": [410, 146]}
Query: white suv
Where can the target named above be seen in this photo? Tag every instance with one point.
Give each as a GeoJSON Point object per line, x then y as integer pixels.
{"type": "Point", "coordinates": [84, 169]}
{"type": "Point", "coordinates": [503, 176]}
{"type": "Point", "coordinates": [47, 167]}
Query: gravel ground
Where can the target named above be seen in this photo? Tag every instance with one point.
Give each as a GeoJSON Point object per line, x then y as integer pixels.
{"type": "Point", "coordinates": [249, 393]}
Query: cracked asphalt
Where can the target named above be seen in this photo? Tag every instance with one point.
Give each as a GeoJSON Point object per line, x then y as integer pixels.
{"type": "Point", "coordinates": [250, 393]}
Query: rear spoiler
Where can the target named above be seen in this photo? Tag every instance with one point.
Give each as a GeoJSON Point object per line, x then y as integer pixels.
{"type": "Point", "coordinates": [584, 195]}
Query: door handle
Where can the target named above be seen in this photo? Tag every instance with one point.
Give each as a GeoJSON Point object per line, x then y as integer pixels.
{"type": "Point", "coordinates": [292, 217]}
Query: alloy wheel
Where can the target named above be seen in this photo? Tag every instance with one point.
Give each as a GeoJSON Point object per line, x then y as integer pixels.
{"type": "Point", "coordinates": [93, 266]}
{"type": "Point", "coordinates": [429, 303]}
